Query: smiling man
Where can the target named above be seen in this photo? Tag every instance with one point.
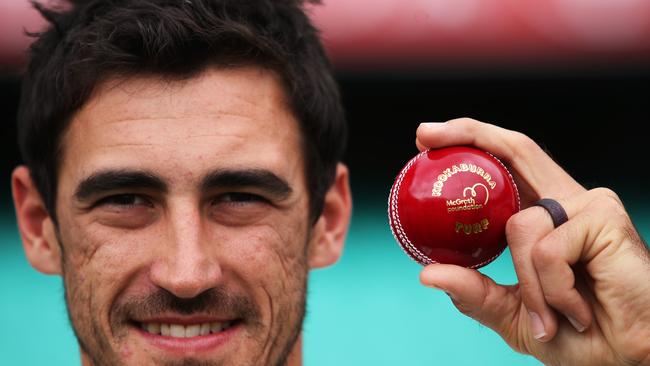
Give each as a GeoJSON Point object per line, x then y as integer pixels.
{"type": "Point", "coordinates": [182, 174]}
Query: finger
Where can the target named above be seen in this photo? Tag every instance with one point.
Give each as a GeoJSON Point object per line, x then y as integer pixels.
{"type": "Point", "coordinates": [554, 255]}
{"type": "Point", "coordinates": [475, 295]}
{"type": "Point", "coordinates": [534, 167]}
{"type": "Point", "coordinates": [523, 231]}
{"type": "Point", "coordinates": [419, 145]}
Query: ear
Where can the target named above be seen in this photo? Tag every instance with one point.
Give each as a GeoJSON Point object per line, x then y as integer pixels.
{"type": "Point", "coordinates": [36, 228]}
{"type": "Point", "coordinates": [332, 225]}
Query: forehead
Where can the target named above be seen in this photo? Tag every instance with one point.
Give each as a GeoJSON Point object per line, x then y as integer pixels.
{"type": "Point", "coordinates": [221, 118]}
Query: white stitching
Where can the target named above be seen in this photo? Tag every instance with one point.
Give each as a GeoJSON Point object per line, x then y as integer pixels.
{"type": "Point", "coordinates": [395, 223]}
{"type": "Point", "coordinates": [398, 231]}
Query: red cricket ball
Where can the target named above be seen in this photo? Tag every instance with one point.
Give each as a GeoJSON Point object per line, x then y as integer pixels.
{"type": "Point", "coordinates": [450, 205]}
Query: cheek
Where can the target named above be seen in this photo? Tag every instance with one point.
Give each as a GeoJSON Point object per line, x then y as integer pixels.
{"type": "Point", "coordinates": [99, 263]}
{"type": "Point", "coordinates": [104, 252]}
{"type": "Point", "coordinates": [280, 249]}
{"type": "Point", "coordinates": [270, 257]}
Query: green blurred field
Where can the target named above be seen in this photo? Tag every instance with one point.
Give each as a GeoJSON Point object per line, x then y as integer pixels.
{"type": "Point", "coordinates": [369, 309]}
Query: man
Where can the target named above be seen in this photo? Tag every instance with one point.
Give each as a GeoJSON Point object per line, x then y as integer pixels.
{"type": "Point", "coordinates": [183, 174]}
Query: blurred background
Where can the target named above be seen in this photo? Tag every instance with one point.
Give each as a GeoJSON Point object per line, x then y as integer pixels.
{"type": "Point", "coordinates": [572, 74]}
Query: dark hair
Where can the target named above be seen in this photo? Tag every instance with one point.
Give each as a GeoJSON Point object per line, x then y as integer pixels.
{"type": "Point", "coordinates": [97, 39]}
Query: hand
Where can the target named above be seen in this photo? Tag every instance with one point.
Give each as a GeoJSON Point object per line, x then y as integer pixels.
{"type": "Point", "coordinates": [583, 296]}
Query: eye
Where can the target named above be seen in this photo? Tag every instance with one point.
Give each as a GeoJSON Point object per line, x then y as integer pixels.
{"type": "Point", "coordinates": [124, 200]}
{"type": "Point", "coordinates": [239, 208]}
{"type": "Point", "coordinates": [239, 198]}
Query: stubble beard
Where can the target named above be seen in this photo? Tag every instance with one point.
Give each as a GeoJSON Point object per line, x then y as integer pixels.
{"type": "Point", "coordinates": [96, 347]}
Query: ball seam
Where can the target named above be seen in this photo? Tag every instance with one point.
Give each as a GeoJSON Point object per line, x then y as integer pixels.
{"type": "Point", "coordinates": [396, 225]}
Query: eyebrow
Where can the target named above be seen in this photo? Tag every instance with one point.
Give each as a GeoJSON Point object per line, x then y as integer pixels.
{"type": "Point", "coordinates": [111, 180]}
{"type": "Point", "coordinates": [258, 178]}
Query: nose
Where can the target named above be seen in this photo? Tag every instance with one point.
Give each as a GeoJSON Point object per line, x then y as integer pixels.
{"type": "Point", "coordinates": [187, 264]}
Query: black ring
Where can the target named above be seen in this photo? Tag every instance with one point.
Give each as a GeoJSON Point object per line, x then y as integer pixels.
{"type": "Point", "coordinates": [553, 207]}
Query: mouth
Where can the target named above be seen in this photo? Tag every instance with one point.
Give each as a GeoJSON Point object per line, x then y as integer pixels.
{"type": "Point", "coordinates": [186, 336]}
{"type": "Point", "coordinates": [175, 330]}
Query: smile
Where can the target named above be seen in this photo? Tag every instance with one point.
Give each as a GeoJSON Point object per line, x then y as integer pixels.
{"type": "Point", "coordinates": [185, 331]}
{"type": "Point", "coordinates": [181, 336]}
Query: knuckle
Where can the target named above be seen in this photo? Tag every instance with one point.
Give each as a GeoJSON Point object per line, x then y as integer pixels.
{"type": "Point", "coordinates": [624, 233]}
{"type": "Point", "coordinates": [607, 198]}
{"type": "Point", "coordinates": [555, 299]}
{"type": "Point", "coordinates": [544, 254]}
{"type": "Point", "coordinates": [522, 144]}
{"type": "Point", "coordinates": [464, 121]}
{"type": "Point", "coordinates": [526, 224]}
{"type": "Point", "coordinates": [521, 221]}
{"type": "Point", "coordinates": [606, 203]}
{"type": "Point", "coordinates": [561, 300]}
{"type": "Point", "coordinates": [523, 140]}
{"type": "Point", "coordinates": [519, 144]}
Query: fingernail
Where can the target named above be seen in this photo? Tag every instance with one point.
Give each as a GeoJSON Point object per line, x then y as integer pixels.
{"type": "Point", "coordinates": [433, 286]}
{"type": "Point", "coordinates": [429, 125]}
{"type": "Point", "coordinates": [576, 324]}
{"type": "Point", "coordinates": [538, 327]}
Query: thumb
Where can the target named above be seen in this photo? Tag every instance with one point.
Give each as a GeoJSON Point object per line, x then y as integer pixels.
{"type": "Point", "coordinates": [476, 296]}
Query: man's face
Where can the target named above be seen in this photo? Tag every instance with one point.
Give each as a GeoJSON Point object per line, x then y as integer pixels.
{"type": "Point", "coordinates": [183, 220]}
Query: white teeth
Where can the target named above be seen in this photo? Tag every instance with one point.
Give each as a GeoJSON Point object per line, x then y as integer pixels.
{"type": "Point", "coordinates": [153, 328]}
{"type": "Point", "coordinates": [205, 329]}
{"type": "Point", "coordinates": [177, 330]}
{"type": "Point", "coordinates": [164, 330]}
{"type": "Point", "coordinates": [185, 331]}
{"type": "Point", "coordinates": [192, 330]}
